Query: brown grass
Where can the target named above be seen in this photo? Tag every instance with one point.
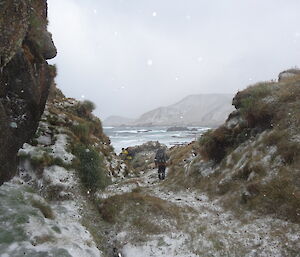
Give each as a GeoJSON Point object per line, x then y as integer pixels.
{"type": "Point", "coordinates": [44, 208]}
{"type": "Point", "coordinates": [143, 211]}
{"type": "Point", "coordinates": [38, 240]}
{"type": "Point", "coordinates": [270, 106]}
{"type": "Point", "coordinates": [278, 197]}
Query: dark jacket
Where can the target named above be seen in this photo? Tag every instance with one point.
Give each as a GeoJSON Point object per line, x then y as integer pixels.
{"type": "Point", "coordinates": [161, 157]}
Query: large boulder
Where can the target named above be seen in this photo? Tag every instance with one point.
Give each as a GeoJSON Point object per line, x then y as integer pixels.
{"type": "Point", "coordinates": [25, 76]}
{"type": "Point", "coordinates": [287, 74]}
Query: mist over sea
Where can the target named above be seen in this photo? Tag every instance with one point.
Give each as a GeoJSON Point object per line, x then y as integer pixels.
{"type": "Point", "coordinates": [132, 136]}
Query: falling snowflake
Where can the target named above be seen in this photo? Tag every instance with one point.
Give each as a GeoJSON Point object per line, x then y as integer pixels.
{"type": "Point", "coordinates": [82, 96]}
{"type": "Point", "coordinates": [199, 59]}
{"type": "Point", "coordinates": [95, 11]}
{"type": "Point", "coordinates": [149, 62]}
{"type": "Point", "coordinates": [188, 17]}
{"type": "Point", "coordinates": [154, 14]}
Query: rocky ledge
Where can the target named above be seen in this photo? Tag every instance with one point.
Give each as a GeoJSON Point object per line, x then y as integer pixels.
{"type": "Point", "coordinates": [25, 76]}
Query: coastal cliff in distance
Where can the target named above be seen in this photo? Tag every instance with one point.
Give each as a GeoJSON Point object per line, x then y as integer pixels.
{"type": "Point", "coordinates": [117, 121]}
{"type": "Point", "coordinates": [208, 110]}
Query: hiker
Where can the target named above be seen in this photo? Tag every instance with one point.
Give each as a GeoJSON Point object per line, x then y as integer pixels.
{"type": "Point", "coordinates": [161, 162]}
{"type": "Point", "coordinates": [124, 154]}
{"type": "Point", "coordinates": [129, 156]}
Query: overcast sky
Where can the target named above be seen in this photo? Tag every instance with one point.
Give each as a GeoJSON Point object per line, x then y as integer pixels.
{"type": "Point", "coordinates": [130, 56]}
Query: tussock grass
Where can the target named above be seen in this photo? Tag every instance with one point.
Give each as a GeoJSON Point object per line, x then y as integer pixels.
{"type": "Point", "coordinates": [215, 144]}
{"type": "Point", "coordinates": [262, 175]}
{"type": "Point", "coordinates": [146, 213]}
{"type": "Point", "coordinates": [279, 197]}
{"type": "Point", "coordinates": [263, 106]}
{"type": "Point", "coordinates": [179, 157]}
{"type": "Point", "coordinates": [90, 166]}
{"type": "Point", "coordinates": [288, 149]}
{"type": "Point", "coordinates": [44, 208]}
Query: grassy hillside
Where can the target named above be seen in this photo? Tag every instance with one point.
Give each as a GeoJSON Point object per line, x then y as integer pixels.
{"type": "Point", "coordinates": [61, 169]}
{"type": "Point", "coordinates": [252, 161]}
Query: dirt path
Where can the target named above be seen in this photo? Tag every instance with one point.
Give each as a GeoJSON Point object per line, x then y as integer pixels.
{"type": "Point", "coordinates": [152, 221]}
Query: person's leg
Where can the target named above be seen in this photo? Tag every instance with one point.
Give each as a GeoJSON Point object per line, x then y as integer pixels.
{"type": "Point", "coordinates": [160, 172]}
{"type": "Point", "coordinates": [163, 173]}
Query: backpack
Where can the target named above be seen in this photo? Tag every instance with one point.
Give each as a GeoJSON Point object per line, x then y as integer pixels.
{"type": "Point", "coordinates": [160, 156]}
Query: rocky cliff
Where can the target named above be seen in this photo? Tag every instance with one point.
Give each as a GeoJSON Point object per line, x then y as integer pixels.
{"type": "Point", "coordinates": [25, 76]}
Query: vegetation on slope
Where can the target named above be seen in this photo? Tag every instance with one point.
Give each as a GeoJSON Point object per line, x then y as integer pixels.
{"type": "Point", "coordinates": [85, 141]}
{"type": "Point", "coordinates": [252, 161]}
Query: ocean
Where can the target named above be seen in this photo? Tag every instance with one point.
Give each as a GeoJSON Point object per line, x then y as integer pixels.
{"type": "Point", "coordinates": [131, 136]}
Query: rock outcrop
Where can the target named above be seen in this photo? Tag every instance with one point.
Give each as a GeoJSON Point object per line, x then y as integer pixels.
{"type": "Point", "coordinates": [287, 74]}
{"type": "Point", "coordinates": [25, 76]}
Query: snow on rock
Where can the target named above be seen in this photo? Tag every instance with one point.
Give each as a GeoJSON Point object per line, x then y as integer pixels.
{"type": "Point", "coordinates": [44, 140]}
{"type": "Point", "coordinates": [25, 231]}
{"type": "Point", "coordinates": [59, 149]}
{"type": "Point", "coordinates": [57, 175]}
{"type": "Point", "coordinates": [288, 74]}
{"type": "Point", "coordinates": [30, 150]}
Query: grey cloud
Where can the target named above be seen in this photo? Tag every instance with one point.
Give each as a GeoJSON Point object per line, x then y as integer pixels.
{"type": "Point", "coordinates": [195, 46]}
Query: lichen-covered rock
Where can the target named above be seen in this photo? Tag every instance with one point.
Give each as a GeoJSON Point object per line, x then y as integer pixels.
{"type": "Point", "coordinates": [25, 76]}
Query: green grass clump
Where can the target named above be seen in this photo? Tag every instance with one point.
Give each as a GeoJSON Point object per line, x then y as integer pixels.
{"type": "Point", "coordinates": [85, 108]}
{"type": "Point", "coordinates": [82, 131]}
{"type": "Point", "coordinates": [90, 167]}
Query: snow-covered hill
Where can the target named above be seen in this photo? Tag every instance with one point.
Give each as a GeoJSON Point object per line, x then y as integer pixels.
{"type": "Point", "coordinates": [196, 110]}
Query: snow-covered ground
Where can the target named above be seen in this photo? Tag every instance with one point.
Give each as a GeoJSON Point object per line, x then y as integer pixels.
{"type": "Point", "coordinates": [206, 228]}
{"type": "Point", "coordinates": [153, 220]}
{"type": "Point", "coordinates": [34, 228]}
{"type": "Point", "coordinates": [44, 209]}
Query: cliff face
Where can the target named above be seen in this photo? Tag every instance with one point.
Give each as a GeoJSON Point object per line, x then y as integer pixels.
{"type": "Point", "coordinates": [25, 76]}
